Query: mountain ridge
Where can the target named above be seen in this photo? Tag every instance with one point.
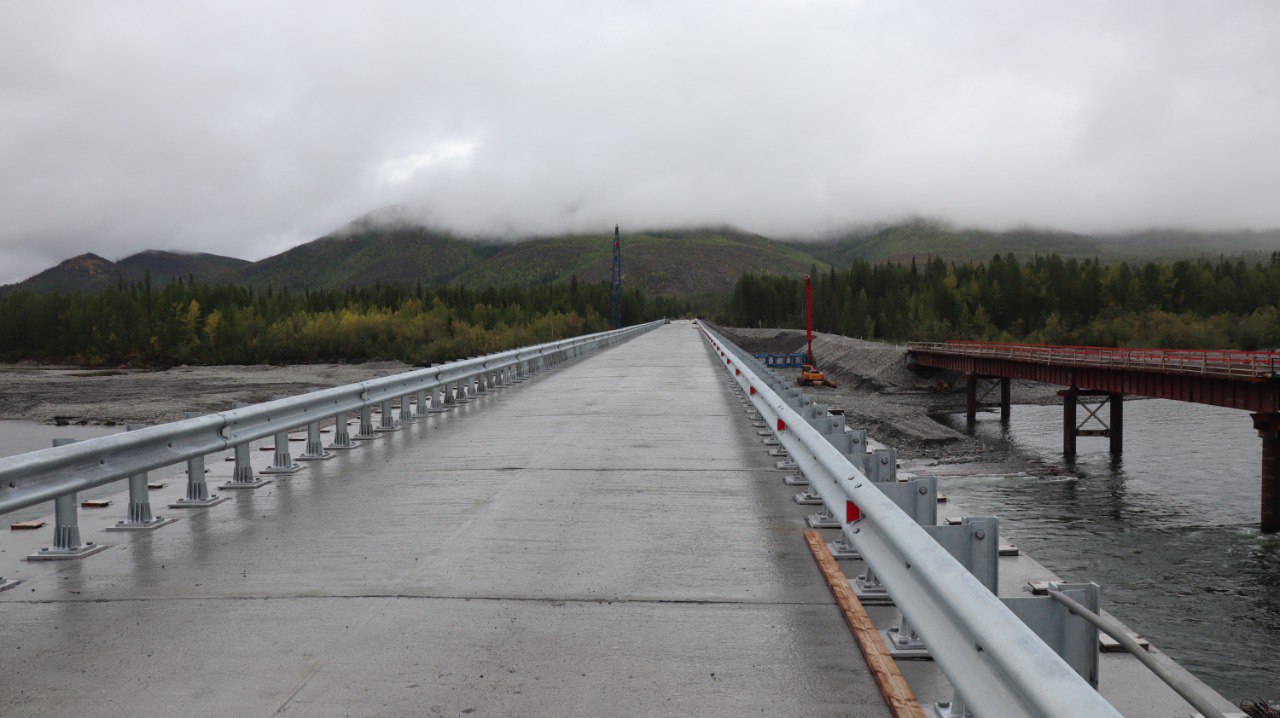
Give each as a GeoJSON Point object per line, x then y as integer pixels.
{"type": "Point", "coordinates": [680, 262]}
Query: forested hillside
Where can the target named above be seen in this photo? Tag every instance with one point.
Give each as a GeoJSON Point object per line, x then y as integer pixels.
{"type": "Point", "coordinates": [1048, 299]}
{"type": "Point", "coordinates": [680, 263]}
{"type": "Point", "coordinates": [923, 238]}
{"type": "Point", "coordinates": [184, 322]}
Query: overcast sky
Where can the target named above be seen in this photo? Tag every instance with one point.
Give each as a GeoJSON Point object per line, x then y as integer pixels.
{"type": "Point", "coordinates": [243, 128]}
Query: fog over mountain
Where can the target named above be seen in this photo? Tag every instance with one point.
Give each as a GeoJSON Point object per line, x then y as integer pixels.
{"type": "Point", "coordinates": [243, 128]}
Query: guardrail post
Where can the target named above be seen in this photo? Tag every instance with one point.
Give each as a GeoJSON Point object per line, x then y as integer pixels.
{"type": "Point", "coordinates": [366, 432]}
{"type": "Point", "coordinates": [917, 497]}
{"type": "Point", "coordinates": [1070, 636]}
{"type": "Point", "coordinates": [855, 448]}
{"type": "Point", "coordinates": [341, 437]}
{"type": "Point", "coordinates": [66, 528]}
{"type": "Point", "coordinates": [420, 404]}
{"type": "Point", "coordinates": [315, 445]}
{"type": "Point", "coordinates": [882, 465]}
{"type": "Point", "coordinates": [975, 544]}
{"type": "Point", "coordinates": [139, 515]}
{"type": "Point", "coordinates": [440, 399]}
{"type": "Point", "coordinates": [406, 409]}
{"type": "Point", "coordinates": [282, 462]}
{"type": "Point", "coordinates": [198, 495]}
{"type": "Point", "coordinates": [242, 473]}
{"type": "Point", "coordinates": [387, 418]}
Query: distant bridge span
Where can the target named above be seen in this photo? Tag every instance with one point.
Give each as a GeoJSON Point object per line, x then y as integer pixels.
{"type": "Point", "coordinates": [1095, 376]}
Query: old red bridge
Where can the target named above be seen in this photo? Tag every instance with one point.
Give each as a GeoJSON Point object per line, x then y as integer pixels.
{"type": "Point", "coordinates": [1097, 377]}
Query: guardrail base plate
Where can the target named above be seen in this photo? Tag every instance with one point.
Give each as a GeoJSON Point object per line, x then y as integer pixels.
{"type": "Point", "coordinates": [916, 651]}
{"type": "Point", "coordinates": [840, 553]}
{"type": "Point", "coordinates": [53, 554]}
{"type": "Point", "coordinates": [317, 457]}
{"type": "Point", "coordinates": [278, 470]}
{"type": "Point", "coordinates": [151, 525]}
{"type": "Point", "coordinates": [872, 596]}
{"type": "Point", "coordinates": [199, 504]}
{"type": "Point", "coordinates": [795, 480]}
{"type": "Point", "coordinates": [8, 583]}
{"type": "Point", "coordinates": [234, 485]}
{"type": "Point", "coordinates": [822, 521]}
{"type": "Point", "coordinates": [335, 447]}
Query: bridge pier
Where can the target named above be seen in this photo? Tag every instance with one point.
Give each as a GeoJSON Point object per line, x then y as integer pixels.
{"type": "Point", "coordinates": [1113, 428]}
{"type": "Point", "coordinates": [1268, 426]}
{"type": "Point", "coordinates": [973, 397]}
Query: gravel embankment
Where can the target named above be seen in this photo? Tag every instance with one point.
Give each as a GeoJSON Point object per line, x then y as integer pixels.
{"type": "Point", "coordinates": [878, 391]}
{"type": "Point", "coordinates": [83, 396]}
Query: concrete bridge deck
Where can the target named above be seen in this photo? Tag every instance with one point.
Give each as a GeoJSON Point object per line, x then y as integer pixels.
{"type": "Point", "coordinates": [605, 539]}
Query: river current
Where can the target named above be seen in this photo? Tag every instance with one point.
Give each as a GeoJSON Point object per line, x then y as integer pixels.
{"type": "Point", "coordinates": [1169, 531]}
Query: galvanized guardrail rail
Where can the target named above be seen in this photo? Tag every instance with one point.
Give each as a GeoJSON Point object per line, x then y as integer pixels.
{"type": "Point", "coordinates": [941, 578]}
{"type": "Point", "coordinates": [59, 473]}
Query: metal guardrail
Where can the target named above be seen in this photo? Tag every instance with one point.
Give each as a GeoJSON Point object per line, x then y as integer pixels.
{"type": "Point", "coordinates": [1224, 364]}
{"type": "Point", "coordinates": [771, 360]}
{"type": "Point", "coordinates": [998, 665]}
{"type": "Point", "coordinates": [59, 472]}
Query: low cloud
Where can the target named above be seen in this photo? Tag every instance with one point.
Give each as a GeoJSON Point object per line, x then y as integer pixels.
{"type": "Point", "coordinates": [243, 128]}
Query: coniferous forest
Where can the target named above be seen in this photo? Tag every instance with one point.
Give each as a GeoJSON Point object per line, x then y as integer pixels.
{"type": "Point", "coordinates": [184, 322]}
{"type": "Point", "coordinates": [1224, 303]}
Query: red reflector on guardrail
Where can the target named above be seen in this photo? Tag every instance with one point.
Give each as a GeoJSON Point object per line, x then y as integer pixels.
{"type": "Point", "coordinates": [737, 372]}
{"type": "Point", "coordinates": [851, 512]}
{"type": "Point", "coordinates": [753, 391]}
{"type": "Point", "coordinates": [782, 425]}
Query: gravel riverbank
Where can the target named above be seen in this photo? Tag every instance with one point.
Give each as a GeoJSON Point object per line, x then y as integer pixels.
{"type": "Point", "coordinates": [52, 394]}
{"type": "Point", "coordinates": [896, 403]}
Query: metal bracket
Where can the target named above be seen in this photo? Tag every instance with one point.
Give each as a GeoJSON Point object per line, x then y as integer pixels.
{"type": "Point", "coordinates": [917, 497]}
{"type": "Point", "coordinates": [1070, 636]}
{"type": "Point", "coordinates": [882, 465]}
{"type": "Point", "coordinates": [975, 544]}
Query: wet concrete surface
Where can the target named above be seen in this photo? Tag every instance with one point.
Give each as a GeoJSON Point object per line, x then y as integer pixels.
{"type": "Point", "coordinates": [604, 539]}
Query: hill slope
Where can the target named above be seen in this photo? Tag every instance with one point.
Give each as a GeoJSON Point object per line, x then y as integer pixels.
{"type": "Point", "coordinates": [680, 263]}
{"type": "Point", "coordinates": [207, 268]}
{"type": "Point", "coordinates": [90, 272]}
{"type": "Point", "coordinates": [85, 272]}
{"type": "Point", "coordinates": [922, 238]}
{"type": "Point", "coordinates": [367, 255]}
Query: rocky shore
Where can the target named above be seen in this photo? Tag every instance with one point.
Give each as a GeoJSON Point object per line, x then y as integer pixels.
{"type": "Point", "coordinates": [72, 395]}
{"type": "Point", "coordinates": [878, 391]}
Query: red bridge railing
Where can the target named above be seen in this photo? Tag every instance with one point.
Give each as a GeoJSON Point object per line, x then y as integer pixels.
{"type": "Point", "coordinates": [1225, 364]}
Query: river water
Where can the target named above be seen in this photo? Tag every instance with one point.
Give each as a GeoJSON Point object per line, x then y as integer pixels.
{"type": "Point", "coordinates": [1169, 531]}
